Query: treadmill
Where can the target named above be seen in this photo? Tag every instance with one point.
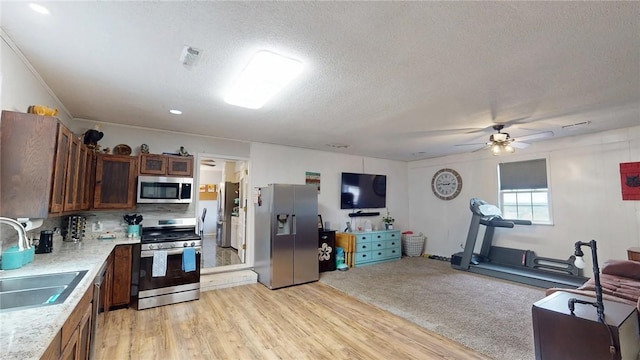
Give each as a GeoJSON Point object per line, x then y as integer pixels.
{"type": "Point", "coordinates": [517, 265]}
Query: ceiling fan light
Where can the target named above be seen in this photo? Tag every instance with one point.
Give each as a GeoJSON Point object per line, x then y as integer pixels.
{"type": "Point", "coordinates": [496, 149]}
{"type": "Point", "coordinates": [509, 149]}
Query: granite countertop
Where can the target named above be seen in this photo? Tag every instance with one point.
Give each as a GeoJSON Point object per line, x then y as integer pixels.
{"type": "Point", "coordinates": [26, 334]}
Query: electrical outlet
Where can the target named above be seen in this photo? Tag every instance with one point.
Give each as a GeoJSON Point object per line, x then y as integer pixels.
{"type": "Point", "coordinates": [97, 226]}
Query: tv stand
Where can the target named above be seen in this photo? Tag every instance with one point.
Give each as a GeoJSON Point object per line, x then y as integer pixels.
{"type": "Point", "coordinates": [361, 214]}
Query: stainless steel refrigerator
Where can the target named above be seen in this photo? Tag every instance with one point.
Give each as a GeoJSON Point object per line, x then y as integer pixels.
{"type": "Point", "coordinates": [227, 195]}
{"type": "Point", "coordinates": [286, 235]}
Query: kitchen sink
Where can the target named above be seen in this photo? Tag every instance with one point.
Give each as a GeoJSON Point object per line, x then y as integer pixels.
{"type": "Point", "coordinates": [38, 290]}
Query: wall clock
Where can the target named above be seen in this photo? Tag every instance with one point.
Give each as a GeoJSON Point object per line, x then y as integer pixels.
{"type": "Point", "coordinates": [446, 184]}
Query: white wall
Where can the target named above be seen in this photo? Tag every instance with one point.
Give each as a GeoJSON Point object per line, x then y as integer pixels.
{"type": "Point", "coordinates": [585, 193]}
{"type": "Point", "coordinates": [273, 164]}
{"type": "Point", "coordinates": [21, 85]}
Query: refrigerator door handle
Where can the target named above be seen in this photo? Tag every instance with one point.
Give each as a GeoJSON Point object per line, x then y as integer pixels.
{"type": "Point", "coordinates": [293, 224]}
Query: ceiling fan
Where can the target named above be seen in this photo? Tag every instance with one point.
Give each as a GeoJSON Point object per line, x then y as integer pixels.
{"type": "Point", "coordinates": [208, 162]}
{"type": "Point", "coordinates": [502, 143]}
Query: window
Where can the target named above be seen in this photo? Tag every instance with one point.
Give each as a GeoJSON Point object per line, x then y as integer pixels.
{"type": "Point", "coordinates": [524, 193]}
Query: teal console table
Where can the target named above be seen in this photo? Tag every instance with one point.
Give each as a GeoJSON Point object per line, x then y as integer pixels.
{"type": "Point", "coordinates": [373, 247]}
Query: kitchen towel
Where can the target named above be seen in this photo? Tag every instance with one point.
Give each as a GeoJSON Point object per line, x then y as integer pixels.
{"type": "Point", "coordinates": [159, 267]}
{"type": "Point", "coordinates": [189, 259]}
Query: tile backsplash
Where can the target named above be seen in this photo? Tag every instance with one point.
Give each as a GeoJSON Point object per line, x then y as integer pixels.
{"type": "Point", "coordinates": [111, 221]}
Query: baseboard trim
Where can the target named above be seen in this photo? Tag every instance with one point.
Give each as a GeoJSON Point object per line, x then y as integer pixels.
{"type": "Point", "coordinates": [224, 280]}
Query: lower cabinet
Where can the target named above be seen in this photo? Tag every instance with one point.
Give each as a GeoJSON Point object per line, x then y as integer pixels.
{"type": "Point", "coordinates": [117, 282]}
{"type": "Point", "coordinates": [377, 246]}
{"type": "Point", "coordinates": [121, 287]}
{"type": "Point", "coordinates": [74, 339]}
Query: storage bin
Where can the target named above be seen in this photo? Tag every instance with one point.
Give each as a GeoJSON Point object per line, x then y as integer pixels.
{"type": "Point", "coordinates": [413, 245]}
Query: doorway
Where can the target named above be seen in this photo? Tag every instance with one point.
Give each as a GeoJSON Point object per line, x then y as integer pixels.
{"type": "Point", "coordinates": [221, 210]}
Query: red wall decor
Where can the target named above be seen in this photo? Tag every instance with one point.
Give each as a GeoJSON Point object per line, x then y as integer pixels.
{"type": "Point", "coordinates": [630, 180]}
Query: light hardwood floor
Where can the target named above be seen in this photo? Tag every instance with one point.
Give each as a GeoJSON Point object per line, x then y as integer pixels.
{"type": "Point", "coordinates": [311, 321]}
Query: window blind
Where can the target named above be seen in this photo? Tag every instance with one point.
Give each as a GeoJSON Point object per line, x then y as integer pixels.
{"type": "Point", "coordinates": [530, 174]}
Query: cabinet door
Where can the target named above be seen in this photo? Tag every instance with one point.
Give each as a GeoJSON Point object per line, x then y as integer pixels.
{"type": "Point", "coordinates": [115, 186]}
{"type": "Point", "coordinates": [152, 164]}
{"type": "Point", "coordinates": [28, 146]}
{"type": "Point", "coordinates": [70, 351]}
{"type": "Point", "coordinates": [180, 166]}
{"type": "Point", "coordinates": [107, 285]}
{"type": "Point", "coordinates": [80, 178]}
{"type": "Point", "coordinates": [121, 290]}
{"type": "Point", "coordinates": [71, 191]}
{"type": "Point", "coordinates": [88, 179]}
{"type": "Point", "coordinates": [84, 334]}
{"type": "Point", "coordinates": [60, 169]}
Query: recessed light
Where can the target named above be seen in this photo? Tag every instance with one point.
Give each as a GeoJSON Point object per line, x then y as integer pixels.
{"type": "Point", "coordinates": [39, 9]}
{"type": "Point", "coordinates": [175, 112]}
{"type": "Point", "coordinates": [265, 75]}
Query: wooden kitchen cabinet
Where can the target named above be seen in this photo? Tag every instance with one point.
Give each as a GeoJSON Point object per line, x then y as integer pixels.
{"type": "Point", "coordinates": [170, 165]}
{"type": "Point", "coordinates": [73, 169]}
{"type": "Point", "coordinates": [121, 289]}
{"type": "Point", "coordinates": [88, 179]}
{"type": "Point", "coordinates": [180, 166]}
{"type": "Point", "coordinates": [76, 331]}
{"type": "Point", "coordinates": [107, 285]}
{"type": "Point", "coordinates": [27, 161]}
{"type": "Point", "coordinates": [41, 168]}
{"type": "Point", "coordinates": [60, 169]}
{"type": "Point", "coordinates": [115, 182]}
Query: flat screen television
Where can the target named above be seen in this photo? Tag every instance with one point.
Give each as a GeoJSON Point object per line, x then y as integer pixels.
{"type": "Point", "coordinates": [363, 191]}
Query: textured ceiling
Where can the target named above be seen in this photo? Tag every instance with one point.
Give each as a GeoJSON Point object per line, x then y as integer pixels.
{"type": "Point", "coordinates": [394, 80]}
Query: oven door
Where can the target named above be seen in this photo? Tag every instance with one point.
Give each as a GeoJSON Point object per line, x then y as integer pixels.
{"type": "Point", "coordinates": [176, 286]}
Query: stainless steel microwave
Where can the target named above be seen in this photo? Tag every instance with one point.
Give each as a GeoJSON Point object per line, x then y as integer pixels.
{"type": "Point", "coordinates": [164, 189]}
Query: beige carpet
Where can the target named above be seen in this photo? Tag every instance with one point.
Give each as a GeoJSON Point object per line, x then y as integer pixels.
{"type": "Point", "coordinates": [486, 314]}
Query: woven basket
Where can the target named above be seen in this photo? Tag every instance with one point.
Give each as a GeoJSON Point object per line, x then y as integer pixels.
{"type": "Point", "coordinates": [412, 245]}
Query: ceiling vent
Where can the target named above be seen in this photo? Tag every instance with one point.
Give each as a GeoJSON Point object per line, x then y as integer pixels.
{"type": "Point", "coordinates": [190, 56]}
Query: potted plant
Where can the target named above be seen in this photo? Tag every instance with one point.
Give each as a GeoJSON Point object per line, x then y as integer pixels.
{"type": "Point", "coordinates": [388, 221]}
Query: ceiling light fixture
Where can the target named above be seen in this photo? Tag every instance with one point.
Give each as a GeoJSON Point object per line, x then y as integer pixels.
{"type": "Point", "coordinates": [39, 9]}
{"type": "Point", "coordinates": [265, 75]}
{"type": "Point", "coordinates": [175, 112]}
{"type": "Point", "coordinates": [500, 143]}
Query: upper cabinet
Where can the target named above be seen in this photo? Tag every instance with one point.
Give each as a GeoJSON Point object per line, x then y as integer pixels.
{"type": "Point", "coordinates": [115, 182]}
{"type": "Point", "coordinates": [40, 166]}
{"type": "Point", "coordinates": [170, 165]}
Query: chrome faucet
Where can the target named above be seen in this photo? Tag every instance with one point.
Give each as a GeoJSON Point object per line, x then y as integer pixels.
{"type": "Point", "coordinates": [23, 243]}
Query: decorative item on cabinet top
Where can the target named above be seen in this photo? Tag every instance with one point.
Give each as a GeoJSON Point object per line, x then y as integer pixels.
{"type": "Point", "coordinates": [42, 110]}
{"type": "Point", "coordinates": [122, 149]}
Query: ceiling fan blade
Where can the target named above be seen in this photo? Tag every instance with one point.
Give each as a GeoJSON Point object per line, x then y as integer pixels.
{"type": "Point", "coordinates": [482, 148]}
{"type": "Point", "coordinates": [520, 144]}
{"type": "Point", "coordinates": [474, 144]}
{"type": "Point", "coordinates": [427, 133]}
{"type": "Point", "coordinates": [541, 135]}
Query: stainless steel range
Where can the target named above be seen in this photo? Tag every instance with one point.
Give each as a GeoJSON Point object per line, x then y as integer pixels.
{"type": "Point", "coordinates": [169, 267]}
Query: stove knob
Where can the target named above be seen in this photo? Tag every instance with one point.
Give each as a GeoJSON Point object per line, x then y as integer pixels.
{"type": "Point", "coordinates": [193, 244]}
{"type": "Point", "coordinates": [150, 247]}
{"type": "Point", "coordinates": [185, 244]}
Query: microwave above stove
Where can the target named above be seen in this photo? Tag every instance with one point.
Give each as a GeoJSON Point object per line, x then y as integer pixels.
{"type": "Point", "coordinates": [164, 189]}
